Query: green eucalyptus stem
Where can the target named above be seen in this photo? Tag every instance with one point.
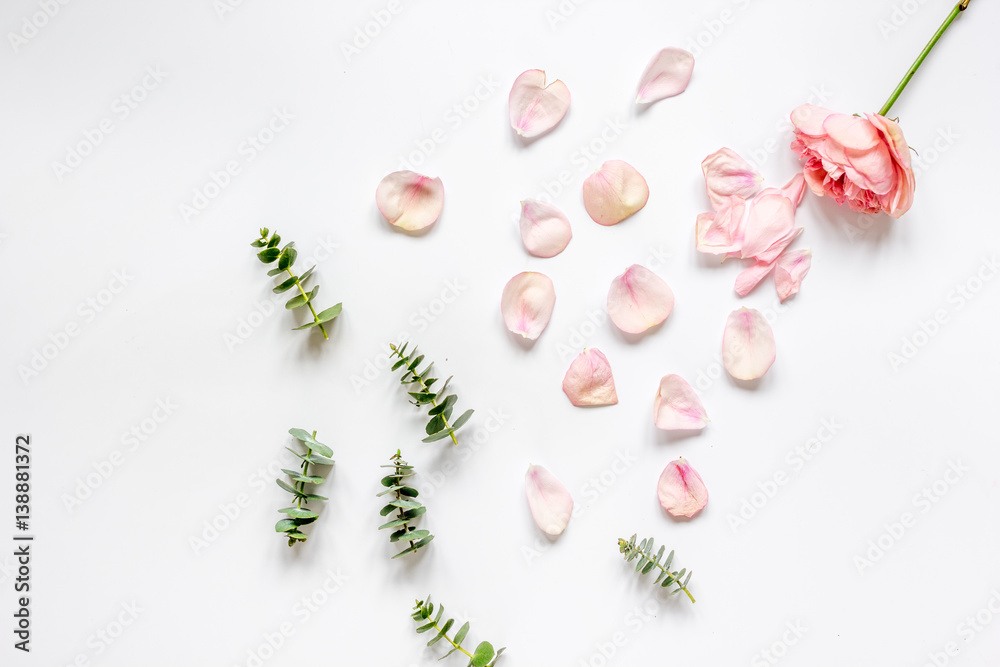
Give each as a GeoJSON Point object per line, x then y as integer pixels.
{"type": "Point", "coordinates": [958, 9]}
{"type": "Point", "coordinates": [427, 389]}
{"type": "Point", "coordinates": [308, 303]}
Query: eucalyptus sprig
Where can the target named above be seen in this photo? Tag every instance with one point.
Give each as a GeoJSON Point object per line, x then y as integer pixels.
{"type": "Point", "coordinates": [481, 657]}
{"type": "Point", "coordinates": [644, 552]}
{"type": "Point", "coordinates": [407, 508]}
{"type": "Point", "coordinates": [297, 516]}
{"type": "Point", "coordinates": [442, 405]}
{"type": "Point", "coordinates": [286, 259]}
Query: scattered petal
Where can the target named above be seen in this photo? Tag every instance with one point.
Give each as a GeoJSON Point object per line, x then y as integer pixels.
{"type": "Point", "coordinates": [410, 201]}
{"type": "Point", "coordinates": [549, 500]}
{"type": "Point", "coordinates": [747, 344]}
{"type": "Point", "coordinates": [721, 232]}
{"type": "Point", "coordinates": [666, 75]}
{"type": "Point", "coordinates": [790, 269]}
{"type": "Point", "coordinates": [677, 407]}
{"type": "Point", "coordinates": [614, 192]}
{"type": "Point", "coordinates": [534, 107]}
{"type": "Point", "coordinates": [527, 303]}
{"type": "Point", "coordinates": [771, 221]}
{"type": "Point", "coordinates": [545, 229]}
{"type": "Point", "coordinates": [639, 299]}
{"type": "Point", "coordinates": [681, 490]}
{"type": "Point", "coordinates": [726, 174]}
{"type": "Point", "coordinates": [751, 276]}
{"type": "Point", "coordinates": [589, 380]}
{"type": "Point", "coordinates": [792, 190]}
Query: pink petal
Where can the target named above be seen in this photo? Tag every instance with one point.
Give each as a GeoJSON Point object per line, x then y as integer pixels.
{"type": "Point", "coordinates": [747, 344]}
{"type": "Point", "coordinates": [852, 132]}
{"type": "Point", "coordinates": [721, 232]}
{"type": "Point", "coordinates": [545, 229]}
{"type": "Point", "coordinates": [410, 201]}
{"type": "Point", "coordinates": [534, 107]}
{"type": "Point", "coordinates": [681, 490]}
{"type": "Point", "coordinates": [751, 276]}
{"type": "Point", "coordinates": [589, 380]}
{"type": "Point", "coordinates": [549, 500]}
{"type": "Point", "coordinates": [790, 269]}
{"type": "Point", "coordinates": [666, 75]}
{"type": "Point", "coordinates": [808, 119]}
{"type": "Point", "coordinates": [639, 299]}
{"type": "Point", "coordinates": [726, 173]}
{"type": "Point", "coordinates": [793, 190]}
{"type": "Point", "coordinates": [527, 303]}
{"type": "Point", "coordinates": [614, 192]}
{"type": "Point", "coordinates": [677, 407]}
{"type": "Point", "coordinates": [771, 219]}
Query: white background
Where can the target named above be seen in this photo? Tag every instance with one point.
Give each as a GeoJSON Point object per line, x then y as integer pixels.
{"type": "Point", "coordinates": [356, 117]}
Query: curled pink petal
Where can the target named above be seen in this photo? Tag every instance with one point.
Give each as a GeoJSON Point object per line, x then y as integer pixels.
{"type": "Point", "coordinates": [721, 232]}
{"type": "Point", "coordinates": [410, 201]}
{"type": "Point", "coordinates": [677, 407]}
{"type": "Point", "coordinates": [549, 500]}
{"type": "Point", "coordinates": [726, 174]}
{"type": "Point", "coordinates": [771, 220]}
{"type": "Point", "coordinates": [545, 230]}
{"type": "Point", "coordinates": [589, 381]}
{"type": "Point", "coordinates": [639, 299]}
{"type": "Point", "coordinates": [793, 190]}
{"type": "Point", "coordinates": [789, 271]}
{"type": "Point", "coordinates": [681, 490]}
{"type": "Point", "coordinates": [534, 107]}
{"type": "Point", "coordinates": [751, 276]}
{"type": "Point", "coordinates": [747, 344]}
{"type": "Point", "coordinates": [527, 303]}
{"type": "Point", "coordinates": [666, 75]}
{"type": "Point", "coordinates": [614, 192]}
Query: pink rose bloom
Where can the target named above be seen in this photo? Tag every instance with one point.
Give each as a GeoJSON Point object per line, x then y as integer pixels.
{"type": "Point", "coordinates": [862, 161]}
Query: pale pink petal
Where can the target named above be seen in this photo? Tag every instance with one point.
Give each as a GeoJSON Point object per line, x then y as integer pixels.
{"type": "Point", "coordinates": [721, 232]}
{"type": "Point", "coordinates": [808, 119]}
{"type": "Point", "coordinates": [747, 344]}
{"type": "Point", "coordinates": [589, 381]}
{"type": "Point", "coordinates": [778, 247]}
{"type": "Point", "coordinates": [527, 303]}
{"type": "Point", "coordinates": [751, 276]}
{"type": "Point", "coordinates": [534, 107]}
{"type": "Point", "coordinates": [410, 201]}
{"type": "Point", "coordinates": [851, 132]}
{"type": "Point", "coordinates": [614, 192]}
{"type": "Point", "coordinates": [726, 173]}
{"type": "Point", "coordinates": [549, 500]}
{"type": "Point", "coordinates": [793, 190]}
{"type": "Point", "coordinates": [545, 229]}
{"type": "Point", "coordinates": [771, 219]}
{"type": "Point", "coordinates": [639, 299]}
{"type": "Point", "coordinates": [677, 407]}
{"type": "Point", "coordinates": [666, 75]}
{"type": "Point", "coordinates": [790, 269]}
{"type": "Point", "coordinates": [681, 490]}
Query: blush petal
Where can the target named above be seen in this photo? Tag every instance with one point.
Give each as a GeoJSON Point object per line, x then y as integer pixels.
{"type": "Point", "coordinates": [527, 303]}
{"type": "Point", "coordinates": [751, 276]}
{"type": "Point", "coordinates": [639, 299]}
{"type": "Point", "coordinates": [410, 201]}
{"type": "Point", "coordinates": [534, 107]}
{"type": "Point", "coordinates": [771, 219]}
{"type": "Point", "coordinates": [549, 500]}
{"type": "Point", "coordinates": [721, 232]}
{"type": "Point", "coordinates": [677, 407]}
{"type": "Point", "coordinates": [726, 174]}
{"type": "Point", "coordinates": [747, 344]}
{"type": "Point", "coordinates": [681, 490]}
{"type": "Point", "coordinates": [666, 75]}
{"type": "Point", "coordinates": [545, 230]}
{"type": "Point", "coordinates": [789, 271]}
{"type": "Point", "coordinates": [614, 192]}
{"type": "Point", "coordinates": [589, 381]}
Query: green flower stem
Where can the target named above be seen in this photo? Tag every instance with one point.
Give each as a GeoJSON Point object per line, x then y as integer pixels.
{"type": "Point", "coordinates": [434, 403]}
{"type": "Point", "coordinates": [438, 628]}
{"type": "Point", "coordinates": [959, 8]}
{"type": "Point", "coordinates": [301, 486]}
{"type": "Point", "coordinates": [311, 309]}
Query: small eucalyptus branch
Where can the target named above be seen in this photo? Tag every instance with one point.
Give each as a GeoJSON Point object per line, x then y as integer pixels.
{"type": "Point", "coordinates": [442, 405]}
{"type": "Point", "coordinates": [484, 655]}
{"type": "Point", "coordinates": [298, 516]}
{"type": "Point", "coordinates": [407, 508]}
{"type": "Point", "coordinates": [286, 259]}
{"type": "Point", "coordinates": [647, 562]}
